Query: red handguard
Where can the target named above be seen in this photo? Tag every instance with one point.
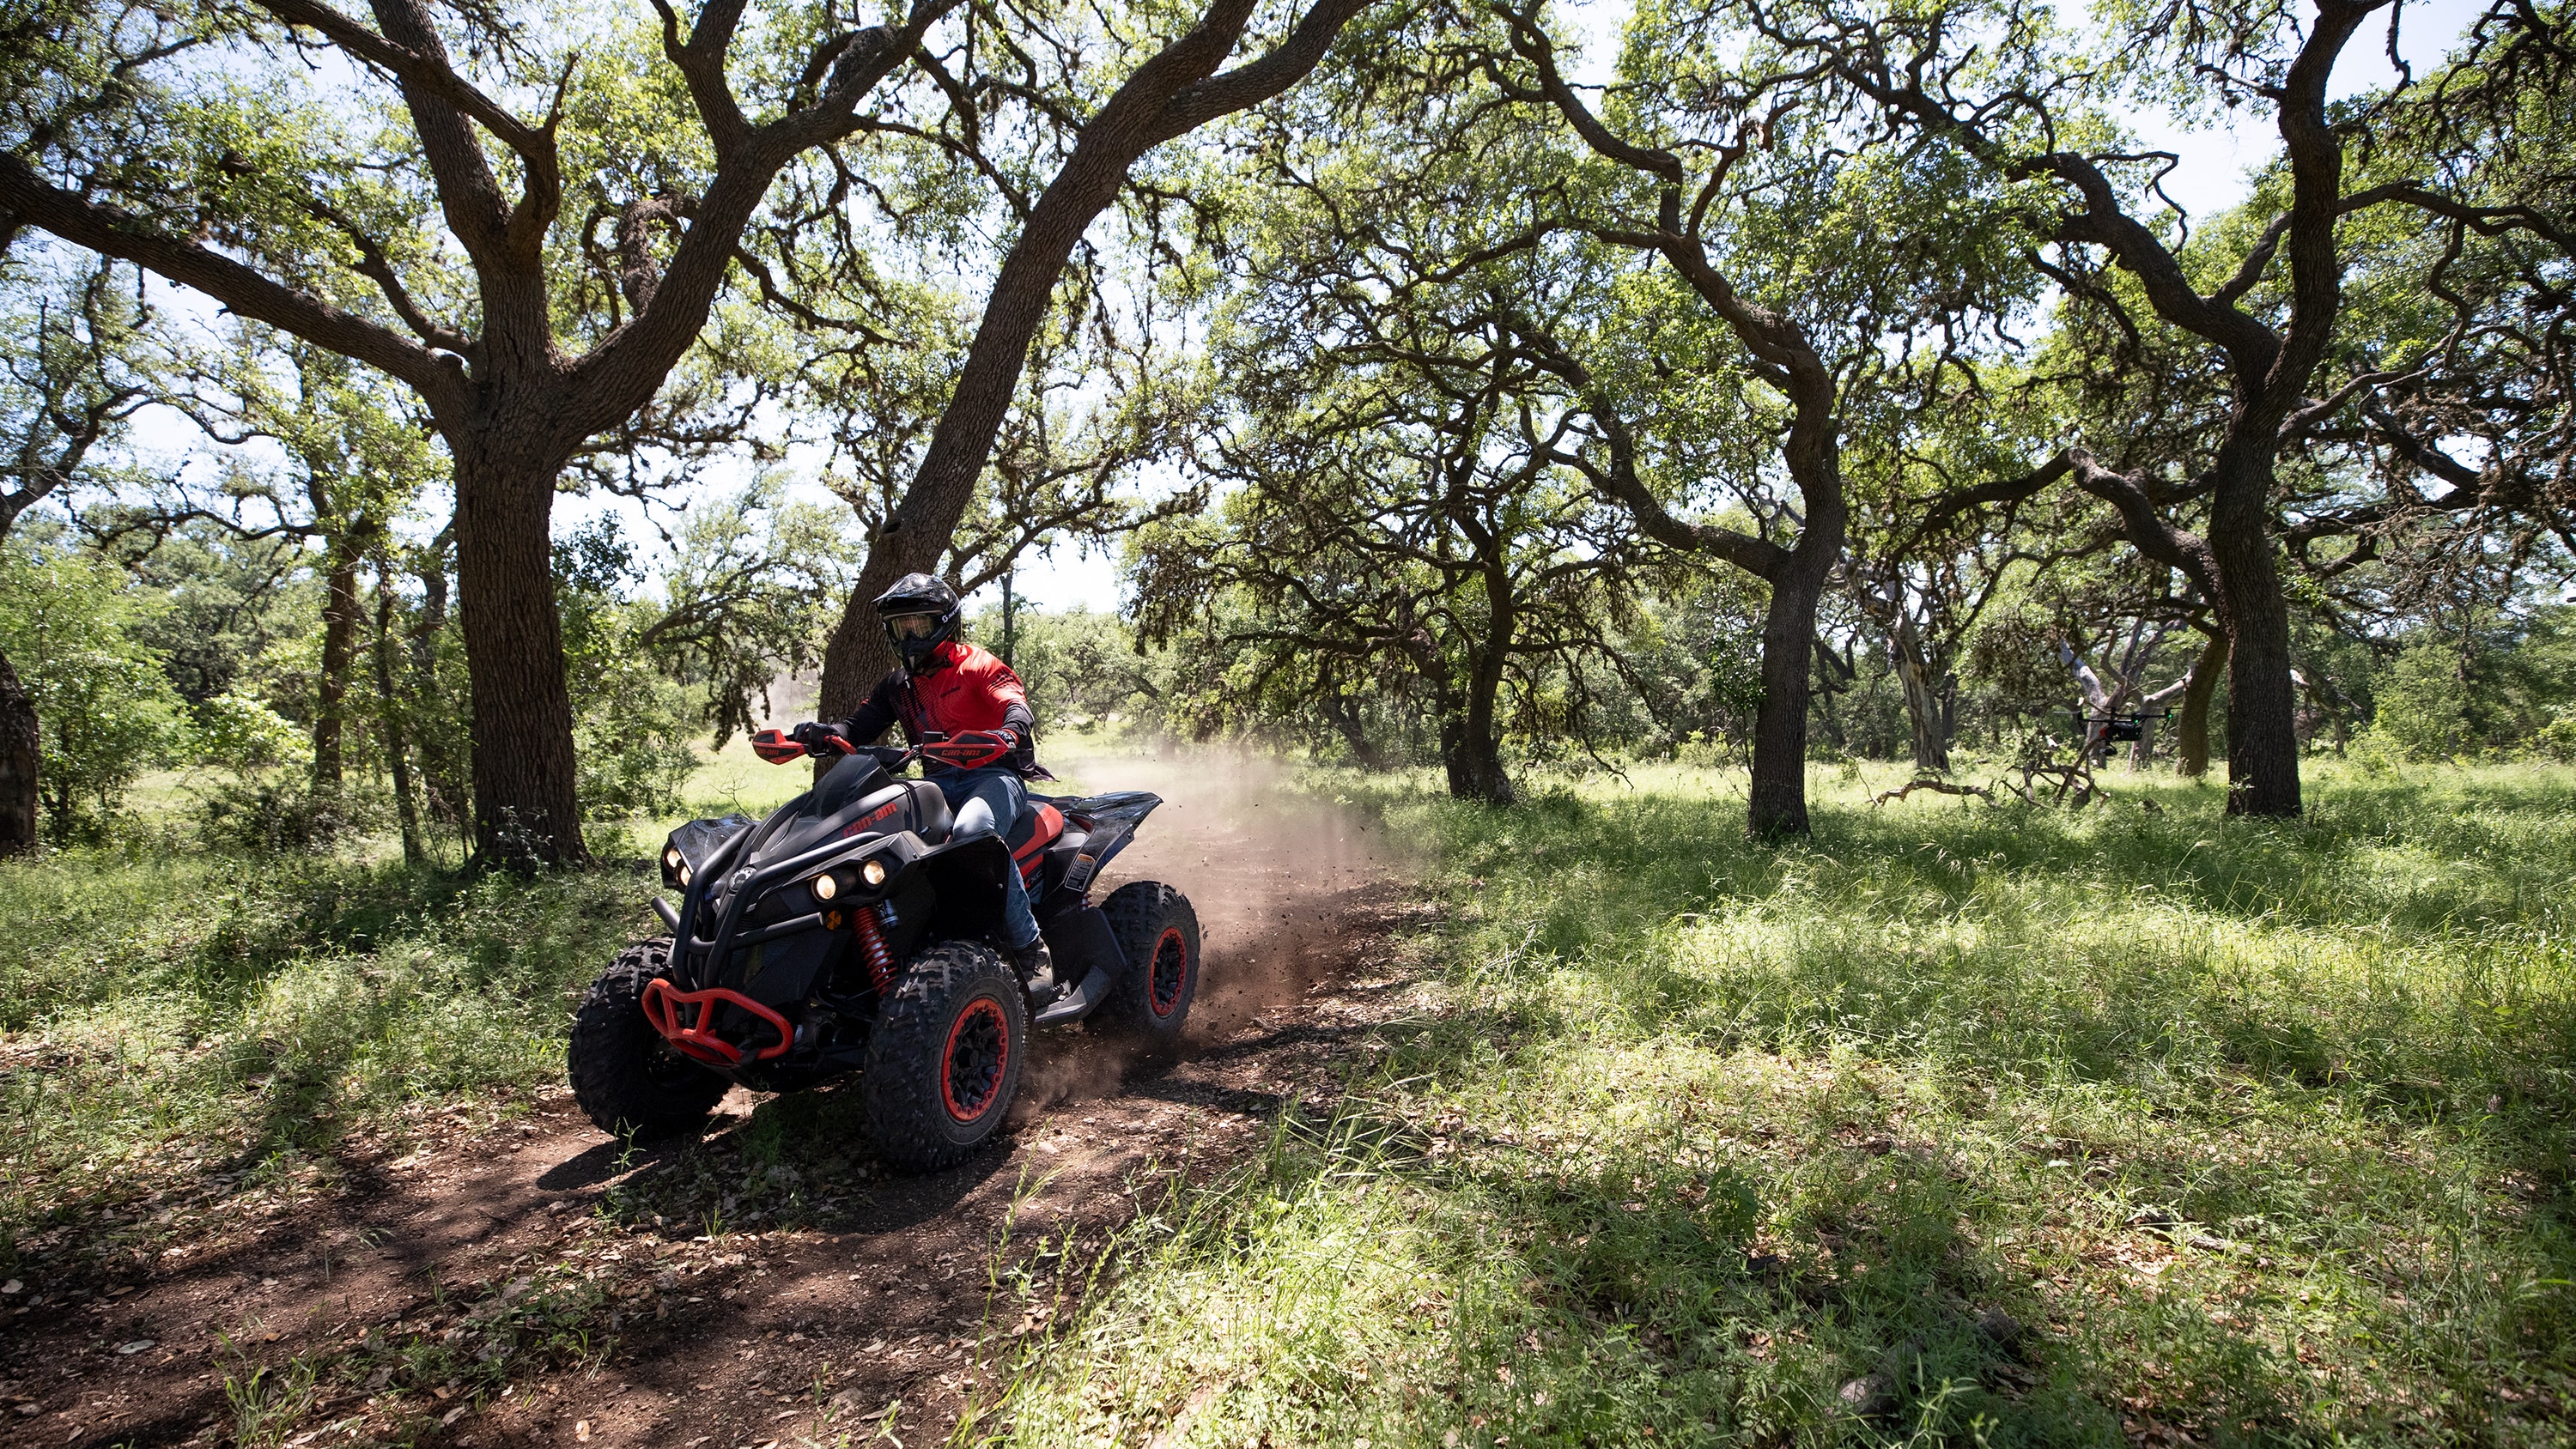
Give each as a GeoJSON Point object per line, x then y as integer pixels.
{"type": "Point", "coordinates": [972, 749]}
{"type": "Point", "coordinates": [822, 739]}
{"type": "Point", "coordinates": [775, 747]}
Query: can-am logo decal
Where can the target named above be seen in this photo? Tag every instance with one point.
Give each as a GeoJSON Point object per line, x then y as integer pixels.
{"type": "Point", "coordinates": [882, 811]}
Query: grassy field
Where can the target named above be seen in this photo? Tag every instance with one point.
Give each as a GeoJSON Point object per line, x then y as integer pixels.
{"type": "Point", "coordinates": [180, 1029]}
{"type": "Point", "coordinates": [1953, 1125]}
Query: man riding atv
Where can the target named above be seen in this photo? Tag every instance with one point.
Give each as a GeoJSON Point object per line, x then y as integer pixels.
{"type": "Point", "coordinates": [970, 716]}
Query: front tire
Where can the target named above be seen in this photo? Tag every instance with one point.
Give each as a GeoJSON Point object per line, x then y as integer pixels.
{"type": "Point", "coordinates": [1158, 933]}
{"type": "Point", "coordinates": [944, 1061]}
{"type": "Point", "coordinates": [624, 1075]}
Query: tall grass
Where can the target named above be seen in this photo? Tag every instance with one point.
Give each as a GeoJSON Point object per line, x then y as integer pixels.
{"type": "Point", "coordinates": [1950, 1125]}
{"type": "Point", "coordinates": [199, 1023]}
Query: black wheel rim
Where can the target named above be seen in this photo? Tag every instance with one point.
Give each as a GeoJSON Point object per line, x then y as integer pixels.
{"type": "Point", "coordinates": [978, 1053]}
{"type": "Point", "coordinates": [1171, 972]}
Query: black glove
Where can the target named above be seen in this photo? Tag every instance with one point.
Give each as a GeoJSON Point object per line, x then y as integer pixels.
{"type": "Point", "coordinates": [822, 739]}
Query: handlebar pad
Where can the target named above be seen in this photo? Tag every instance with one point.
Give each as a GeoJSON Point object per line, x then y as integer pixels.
{"type": "Point", "coordinates": [972, 749]}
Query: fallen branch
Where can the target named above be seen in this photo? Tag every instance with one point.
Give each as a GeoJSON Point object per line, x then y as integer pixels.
{"type": "Point", "coordinates": [1937, 787]}
{"type": "Point", "coordinates": [2076, 778]}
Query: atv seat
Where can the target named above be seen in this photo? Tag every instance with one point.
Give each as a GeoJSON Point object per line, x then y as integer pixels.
{"type": "Point", "coordinates": [932, 808]}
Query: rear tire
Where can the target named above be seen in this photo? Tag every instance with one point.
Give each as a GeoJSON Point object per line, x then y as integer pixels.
{"type": "Point", "coordinates": [624, 1075]}
{"type": "Point", "coordinates": [1158, 933]}
{"type": "Point", "coordinates": [944, 1061]}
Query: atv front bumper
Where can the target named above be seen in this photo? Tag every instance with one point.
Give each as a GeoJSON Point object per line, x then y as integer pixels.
{"type": "Point", "coordinates": [664, 1003]}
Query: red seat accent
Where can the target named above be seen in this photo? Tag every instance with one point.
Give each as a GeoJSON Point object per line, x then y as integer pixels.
{"type": "Point", "coordinates": [1050, 824]}
{"type": "Point", "coordinates": [1045, 826]}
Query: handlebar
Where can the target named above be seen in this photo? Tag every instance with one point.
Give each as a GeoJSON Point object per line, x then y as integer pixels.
{"type": "Point", "coordinates": [778, 747]}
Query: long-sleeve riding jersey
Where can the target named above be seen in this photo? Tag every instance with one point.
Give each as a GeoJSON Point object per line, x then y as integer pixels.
{"type": "Point", "coordinates": [966, 688]}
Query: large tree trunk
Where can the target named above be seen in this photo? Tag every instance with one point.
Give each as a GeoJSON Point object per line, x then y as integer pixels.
{"type": "Point", "coordinates": [1778, 803]}
{"type": "Point", "coordinates": [524, 810]}
{"type": "Point", "coordinates": [2262, 703]}
{"type": "Point", "coordinates": [1171, 94]}
{"type": "Point", "coordinates": [1468, 746]}
{"type": "Point", "coordinates": [339, 656]}
{"type": "Point", "coordinates": [21, 750]}
{"type": "Point", "coordinates": [2191, 730]}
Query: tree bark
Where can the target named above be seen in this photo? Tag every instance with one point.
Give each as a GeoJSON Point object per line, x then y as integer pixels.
{"type": "Point", "coordinates": [21, 752]}
{"type": "Point", "coordinates": [1922, 703]}
{"type": "Point", "coordinates": [523, 771]}
{"type": "Point", "coordinates": [1474, 756]}
{"type": "Point", "coordinates": [2262, 703]}
{"type": "Point", "coordinates": [1778, 804]}
{"type": "Point", "coordinates": [2191, 730]}
{"type": "Point", "coordinates": [1170, 95]}
{"type": "Point", "coordinates": [1343, 711]}
{"type": "Point", "coordinates": [339, 655]}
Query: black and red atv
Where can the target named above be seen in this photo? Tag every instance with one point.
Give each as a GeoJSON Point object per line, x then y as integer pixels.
{"type": "Point", "coordinates": [848, 933]}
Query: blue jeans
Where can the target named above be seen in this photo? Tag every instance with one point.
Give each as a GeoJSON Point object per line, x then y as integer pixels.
{"type": "Point", "coordinates": [990, 802]}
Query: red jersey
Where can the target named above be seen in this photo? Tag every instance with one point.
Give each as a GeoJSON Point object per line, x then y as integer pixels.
{"type": "Point", "coordinates": [968, 689]}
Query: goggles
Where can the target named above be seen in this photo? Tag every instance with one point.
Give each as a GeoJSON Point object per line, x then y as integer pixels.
{"type": "Point", "coordinates": [912, 626]}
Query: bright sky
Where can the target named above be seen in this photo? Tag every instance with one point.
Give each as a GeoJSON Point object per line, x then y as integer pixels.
{"type": "Point", "coordinates": [2211, 176]}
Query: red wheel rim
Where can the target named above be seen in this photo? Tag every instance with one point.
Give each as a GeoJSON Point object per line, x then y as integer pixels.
{"type": "Point", "coordinates": [978, 1052]}
{"type": "Point", "coordinates": [1171, 972]}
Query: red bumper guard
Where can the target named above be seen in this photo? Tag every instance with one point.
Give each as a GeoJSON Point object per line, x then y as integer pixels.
{"type": "Point", "coordinates": [662, 1003]}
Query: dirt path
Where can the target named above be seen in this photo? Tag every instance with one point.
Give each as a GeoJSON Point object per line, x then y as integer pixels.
{"type": "Point", "coordinates": [382, 1312]}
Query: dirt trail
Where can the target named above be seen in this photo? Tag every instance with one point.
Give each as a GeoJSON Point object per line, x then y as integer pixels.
{"type": "Point", "coordinates": [544, 1239]}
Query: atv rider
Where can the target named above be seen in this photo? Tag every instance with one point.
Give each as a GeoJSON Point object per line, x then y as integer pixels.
{"type": "Point", "coordinates": [981, 736]}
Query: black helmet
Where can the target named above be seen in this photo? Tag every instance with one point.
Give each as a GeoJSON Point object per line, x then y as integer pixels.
{"type": "Point", "coordinates": [913, 597]}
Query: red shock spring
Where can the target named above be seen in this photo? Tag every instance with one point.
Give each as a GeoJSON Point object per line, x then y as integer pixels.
{"type": "Point", "coordinates": [872, 945]}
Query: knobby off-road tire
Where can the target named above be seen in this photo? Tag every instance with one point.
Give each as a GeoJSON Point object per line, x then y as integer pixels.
{"type": "Point", "coordinates": [944, 1061]}
{"type": "Point", "coordinates": [624, 1075]}
{"type": "Point", "coordinates": [1158, 933]}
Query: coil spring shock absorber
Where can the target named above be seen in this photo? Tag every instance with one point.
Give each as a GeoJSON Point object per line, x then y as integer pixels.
{"type": "Point", "coordinates": [872, 945]}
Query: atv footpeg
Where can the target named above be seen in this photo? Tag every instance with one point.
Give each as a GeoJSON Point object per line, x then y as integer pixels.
{"type": "Point", "coordinates": [1094, 988]}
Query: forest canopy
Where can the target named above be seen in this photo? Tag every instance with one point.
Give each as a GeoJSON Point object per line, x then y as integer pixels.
{"type": "Point", "coordinates": [457, 416]}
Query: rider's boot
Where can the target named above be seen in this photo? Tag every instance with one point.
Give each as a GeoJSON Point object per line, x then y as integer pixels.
{"type": "Point", "coordinates": [1036, 966]}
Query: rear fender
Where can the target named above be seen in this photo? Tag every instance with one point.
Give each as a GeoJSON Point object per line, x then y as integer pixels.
{"type": "Point", "coordinates": [1112, 824]}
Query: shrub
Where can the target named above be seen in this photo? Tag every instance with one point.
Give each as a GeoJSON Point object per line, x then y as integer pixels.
{"type": "Point", "coordinates": [270, 812]}
{"type": "Point", "coordinates": [105, 711]}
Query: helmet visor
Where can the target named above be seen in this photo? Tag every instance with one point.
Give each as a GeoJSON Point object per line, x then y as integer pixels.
{"type": "Point", "coordinates": [912, 626]}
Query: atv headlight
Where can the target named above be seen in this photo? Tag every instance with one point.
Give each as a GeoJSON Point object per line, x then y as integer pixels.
{"type": "Point", "coordinates": [671, 857]}
{"type": "Point", "coordinates": [824, 887]}
{"type": "Point", "coordinates": [873, 872]}
{"type": "Point", "coordinates": [684, 875]}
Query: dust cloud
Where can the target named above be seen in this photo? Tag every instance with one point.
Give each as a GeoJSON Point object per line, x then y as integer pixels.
{"type": "Point", "coordinates": [1272, 872]}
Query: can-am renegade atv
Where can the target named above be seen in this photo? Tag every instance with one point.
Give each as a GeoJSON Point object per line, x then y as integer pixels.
{"type": "Point", "coordinates": [848, 933]}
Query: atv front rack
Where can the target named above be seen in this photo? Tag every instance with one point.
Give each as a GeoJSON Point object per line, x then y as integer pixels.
{"type": "Point", "coordinates": [662, 1003]}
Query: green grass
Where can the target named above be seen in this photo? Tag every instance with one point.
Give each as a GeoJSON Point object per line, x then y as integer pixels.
{"type": "Point", "coordinates": [182, 1033]}
{"type": "Point", "coordinates": [2259, 1130]}
{"type": "Point", "coordinates": [205, 1025]}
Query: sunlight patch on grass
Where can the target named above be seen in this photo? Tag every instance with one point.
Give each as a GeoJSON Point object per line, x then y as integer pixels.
{"type": "Point", "coordinates": [2254, 1131]}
